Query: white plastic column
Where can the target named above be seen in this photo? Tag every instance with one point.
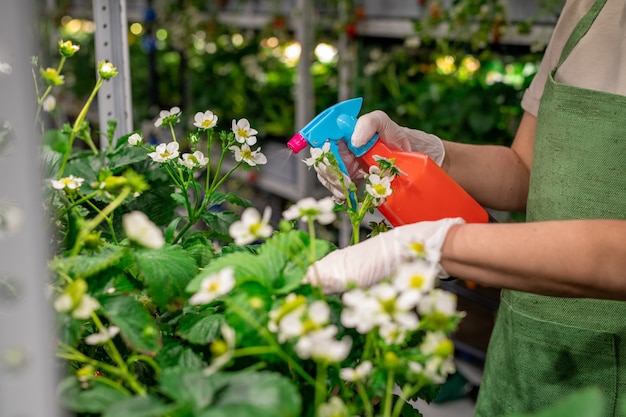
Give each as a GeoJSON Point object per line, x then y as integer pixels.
{"type": "Point", "coordinates": [304, 15]}
{"type": "Point", "coordinates": [111, 38]}
{"type": "Point", "coordinates": [27, 376]}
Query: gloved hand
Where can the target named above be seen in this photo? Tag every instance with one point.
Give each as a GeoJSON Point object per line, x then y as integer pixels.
{"type": "Point", "coordinates": [393, 135]}
{"type": "Point", "coordinates": [377, 258]}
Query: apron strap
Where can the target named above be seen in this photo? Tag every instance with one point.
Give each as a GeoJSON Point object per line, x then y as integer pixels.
{"type": "Point", "coordinates": [581, 29]}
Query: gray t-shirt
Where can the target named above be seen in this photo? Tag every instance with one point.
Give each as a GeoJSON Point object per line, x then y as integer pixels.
{"type": "Point", "coordinates": [598, 62]}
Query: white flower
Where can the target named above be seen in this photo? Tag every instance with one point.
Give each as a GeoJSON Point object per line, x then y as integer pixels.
{"type": "Point", "coordinates": [141, 230]}
{"type": "Point", "coordinates": [418, 276]}
{"type": "Point", "coordinates": [359, 311]}
{"type": "Point", "coordinates": [213, 286]}
{"type": "Point", "coordinates": [135, 139]}
{"type": "Point", "coordinates": [86, 306]}
{"type": "Point", "coordinates": [310, 209]}
{"type": "Point", "coordinates": [303, 320]}
{"type": "Point", "coordinates": [438, 301]}
{"type": "Point", "coordinates": [194, 160]}
{"type": "Point", "coordinates": [318, 155]}
{"type": "Point", "coordinates": [392, 334]}
{"type": "Point", "coordinates": [437, 369]}
{"type": "Point", "coordinates": [358, 373]}
{"type": "Point", "coordinates": [243, 132]}
{"type": "Point", "coordinates": [63, 303]}
{"type": "Point", "coordinates": [321, 345]}
{"type": "Point", "coordinates": [378, 187]}
{"type": "Point", "coordinates": [70, 182]}
{"type": "Point", "coordinates": [103, 336]}
{"type": "Point", "coordinates": [165, 152]}
{"type": "Point", "coordinates": [293, 302]}
{"type": "Point", "coordinates": [249, 156]}
{"type": "Point", "coordinates": [205, 120]}
{"type": "Point", "coordinates": [168, 116]}
{"type": "Point", "coordinates": [251, 226]}
{"type": "Point", "coordinates": [394, 307]}
{"type": "Point", "coordinates": [49, 104]}
{"type": "Point", "coordinates": [335, 407]}
{"type": "Point", "coordinates": [5, 68]}
{"type": "Point", "coordinates": [222, 350]}
{"type": "Point", "coordinates": [437, 343]}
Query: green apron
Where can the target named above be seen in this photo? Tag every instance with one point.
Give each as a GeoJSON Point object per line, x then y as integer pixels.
{"type": "Point", "coordinates": [543, 348]}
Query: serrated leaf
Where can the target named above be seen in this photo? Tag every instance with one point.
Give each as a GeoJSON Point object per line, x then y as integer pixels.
{"type": "Point", "coordinates": [179, 199]}
{"type": "Point", "coordinates": [246, 265]}
{"type": "Point", "coordinates": [123, 157]}
{"type": "Point", "coordinates": [175, 354]}
{"type": "Point", "coordinates": [257, 394]}
{"type": "Point", "coordinates": [239, 201]}
{"type": "Point", "coordinates": [136, 325]}
{"type": "Point", "coordinates": [146, 406]}
{"type": "Point", "coordinates": [220, 221]}
{"type": "Point", "coordinates": [85, 266]}
{"type": "Point", "coordinates": [166, 272]}
{"type": "Point", "coordinates": [96, 399]}
{"type": "Point", "coordinates": [170, 230]}
{"type": "Point", "coordinates": [201, 328]}
{"type": "Point", "coordinates": [200, 248]}
{"type": "Point", "coordinates": [187, 386]}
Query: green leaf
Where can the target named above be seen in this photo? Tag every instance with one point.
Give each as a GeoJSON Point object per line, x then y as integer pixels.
{"type": "Point", "coordinates": [166, 271]}
{"type": "Point", "coordinates": [123, 157]}
{"type": "Point", "coordinates": [95, 399]}
{"type": "Point", "coordinates": [170, 230]}
{"type": "Point", "coordinates": [179, 199]}
{"type": "Point", "coordinates": [175, 354]}
{"type": "Point", "coordinates": [187, 386]}
{"type": "Point", "coordinates": [239, 201]}
{"type": "Point", "coordinates": [56, 140]}
{"type": "Point", "coordinates": [200, 328]}
{"type": "Point", "coordinates": [220, 221]}
{"type": "Point", "coordinates": [258, 394]}
{"type": "Point", "coordinates": [85, 266]}
{"type": "Point", "coordinates": [148, 406]}
{"type": "Point", "coordinates": [85, 166]}
{"type": "Point", "coordinates": [200, 248]}
{"type": "Point", "coordinates": [136, 325]}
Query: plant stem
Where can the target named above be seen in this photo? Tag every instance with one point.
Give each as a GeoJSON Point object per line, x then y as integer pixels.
{"type": "Point", "coordinates": [270, 340]}
{"type": "Point", "coordinates": [367, 404]}
{"type": "Point", "coordinates": [312, 254]}
{"type": "Point", "coordinates": [320, 386]}
{"type": "Point", "coordinates": [93, 223]}
{"type": "Point", "coordinates": [253, 350]}
{"type": "Point", "coordinates": [114, 354]}
{"type": "Point", "coordinates": [77, 124]}
{"type": "Point", "coordinates": [407, 392]}
{"type": "Point", "coordinates": [388, 395]}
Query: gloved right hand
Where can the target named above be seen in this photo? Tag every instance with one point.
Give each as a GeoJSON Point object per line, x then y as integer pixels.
{"type": "Point", "coordinates": [393, 135]}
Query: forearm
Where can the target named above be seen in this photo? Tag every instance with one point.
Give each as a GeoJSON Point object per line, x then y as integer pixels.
{"type": "Point", "coordinates": [578, 258]}
{"type": "Point", "coordinates": [494, 175]}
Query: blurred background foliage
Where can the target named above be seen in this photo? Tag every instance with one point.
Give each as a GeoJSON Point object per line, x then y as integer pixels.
{"type": "Point", "coordinates": [462, 83]}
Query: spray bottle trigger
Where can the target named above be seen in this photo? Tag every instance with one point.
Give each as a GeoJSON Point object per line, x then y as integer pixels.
{"type": "Point", "coordinates": [359, 151]}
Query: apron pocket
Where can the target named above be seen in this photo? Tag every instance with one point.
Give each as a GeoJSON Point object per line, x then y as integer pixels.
{"type": "Point", "coordinates": [553, 360]}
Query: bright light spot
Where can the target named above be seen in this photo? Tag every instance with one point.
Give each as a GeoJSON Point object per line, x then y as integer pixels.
{"type": "Point", "coordinates": [271, 42]}
{"type": "Point", "coordinates": [161, 34]}
{"type": "Point", "coordinates": [199, 44]}
{"type": "Point", "coordinates": [73, 25]}
{"type": "Point", "coordinates": [471, 64]}
{"type": "Point", "coordinates": [493, 77]}
{"type": "Point", "coordinates": [136, 29]}
{"type": "Point", "coordinates": [65, 20]}
{"type": "Point", "coordinates": [237, 39]}
{"type": "Point", "coordinates": [200, 34]}
{"type": "Point", "coordinates": [211, 48]}
{"type": "Point", "coordinates": [292, 51]}
{"type": "Point", "coordinates": [88, 26]}
{"type": "Point", "coordinates": [445, 64]}
{"type": "Point", "coordinates": [325, 53]}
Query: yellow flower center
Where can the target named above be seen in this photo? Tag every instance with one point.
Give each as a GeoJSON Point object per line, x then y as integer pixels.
{"type": "Point", "coordinates": [254, 228]}
{"type": "Point", "coordinates": [417, 248]}
{"type": "Point", "coordinates": [380, 189]}
{"type": "Point", "coordinates": [213, 287]}
{"type": "Point", "coordinates": [206, 123]}
{"type": "Point", "coordinates": [246, 154]}
{"type": "Point", "coordinates": [243, 133]}
{"type": "Point", "coordinates": [165, 154]}
{"type": "Point", "coordinates": [219, 347]}
{"type": "Point", "coordinates": [416, 281]}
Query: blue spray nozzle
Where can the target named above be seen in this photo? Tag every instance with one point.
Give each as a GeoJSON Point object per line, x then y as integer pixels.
{"type": "Point", "coordinates": [333, 125]}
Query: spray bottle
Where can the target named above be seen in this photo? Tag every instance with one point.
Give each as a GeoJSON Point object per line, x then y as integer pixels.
{"type": "Point", "coordinates": [426, 192]}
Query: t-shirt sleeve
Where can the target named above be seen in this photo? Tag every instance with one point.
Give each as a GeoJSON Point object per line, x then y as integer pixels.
{"type": "Point", "coordinates": [570, 15]}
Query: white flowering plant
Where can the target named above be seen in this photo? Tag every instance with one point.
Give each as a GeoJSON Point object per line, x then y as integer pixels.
{"type": "Point", "coordinates": [169, 305]}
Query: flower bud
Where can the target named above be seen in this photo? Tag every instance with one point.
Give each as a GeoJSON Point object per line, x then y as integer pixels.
{"type": "Point", "coordinates": [67, 48]}
{"type": "Point", "coordinates": [106, 70]}
{"type": "Point", "coordinates": [51, 76]}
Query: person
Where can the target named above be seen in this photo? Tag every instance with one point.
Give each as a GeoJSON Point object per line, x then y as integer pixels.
{"type": "Point", "coordinates": [560, 325]}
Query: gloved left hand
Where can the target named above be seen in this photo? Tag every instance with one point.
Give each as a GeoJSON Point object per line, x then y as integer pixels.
{"type": "Point", "coordinates": [377, 258]}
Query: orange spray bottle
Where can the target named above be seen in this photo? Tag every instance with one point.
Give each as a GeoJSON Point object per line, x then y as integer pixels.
{"type": "Point", "coordinates": [426, 192]}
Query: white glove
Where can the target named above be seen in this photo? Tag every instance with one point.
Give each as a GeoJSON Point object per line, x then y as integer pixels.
{"type": "Point", "coordinates": [377, 258]}
{"type": "Point", "coordinates": [397, 137]}
{"type": "Point", "coordinates": [393, 135]}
